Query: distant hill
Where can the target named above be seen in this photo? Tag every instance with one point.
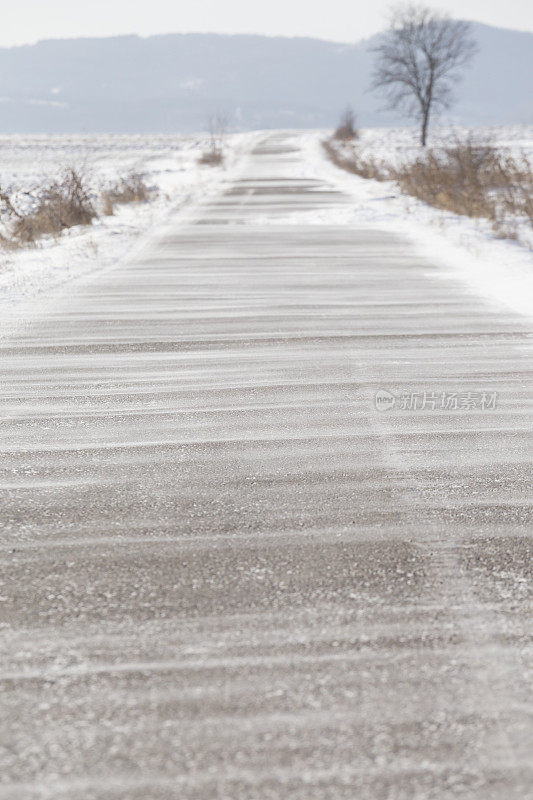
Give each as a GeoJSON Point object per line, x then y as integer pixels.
{"type": "Point", "coordinates": [170, 83]}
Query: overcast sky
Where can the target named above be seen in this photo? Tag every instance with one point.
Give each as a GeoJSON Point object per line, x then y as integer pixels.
{"type": "Point", "coordinates": [25, 21]}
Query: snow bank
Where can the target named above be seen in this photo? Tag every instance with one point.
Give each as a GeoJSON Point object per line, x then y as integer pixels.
{"type": "Point", "coordinates": [467, 249]}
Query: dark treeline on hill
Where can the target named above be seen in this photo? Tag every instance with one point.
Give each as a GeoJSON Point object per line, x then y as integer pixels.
{"type": "Point", "coordinates": [170, 83]}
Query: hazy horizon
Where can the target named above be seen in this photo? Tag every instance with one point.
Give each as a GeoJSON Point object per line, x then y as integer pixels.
{"type": "Point", "coordinates": [218, 33]}
{"type": "Point", "coordinates": [31, 22]}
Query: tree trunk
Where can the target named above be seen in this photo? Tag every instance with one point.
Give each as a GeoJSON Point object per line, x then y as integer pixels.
{"type": "Point", "coordinates": [425, 123]}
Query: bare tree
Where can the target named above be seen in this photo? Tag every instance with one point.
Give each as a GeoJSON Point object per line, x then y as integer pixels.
{"type": "Point", "coordinates": [419, 59]}
{"type": "Point", "coordinates": [218, 125]}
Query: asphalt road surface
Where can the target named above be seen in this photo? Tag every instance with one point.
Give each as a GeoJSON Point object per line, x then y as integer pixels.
{"type": "Point", "coordinates": [226, 573]}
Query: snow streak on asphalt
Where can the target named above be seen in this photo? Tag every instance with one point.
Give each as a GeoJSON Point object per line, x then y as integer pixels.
{"type": "Point", "coordinates": [227, 574]}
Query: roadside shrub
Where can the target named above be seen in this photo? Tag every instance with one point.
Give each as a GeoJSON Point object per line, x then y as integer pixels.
{"type": "Point", "coordinates": [212, 157]}
{"type": "Point", "coordinates": [474, 180]}
{"type": "Point", "coordinates": [131, 189]}
{"type": "Point", "coordinates": [58, 205]}
{"type": "Point", "coordinates": [517, 186]}
{"type": "Point", "coordinates": [352, 161]}
{"type": "Point", "coordinates": [471, 178]}
{"type": "Point", "coordinates": [453, 179]}
{"type": "Point", "coordinates": [218, 126]}
{"type": "Point", "coordinates": [346, 129]}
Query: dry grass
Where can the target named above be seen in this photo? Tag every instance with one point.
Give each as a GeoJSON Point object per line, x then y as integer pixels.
{"type": "Point", "coordinates": [352, 161]}
{"type": "Point", "coordinates": [469, 178]}
{"type": "Point", "coordinates": [58, 205]}
{"type": "Point", "coordinates": [131, 189]}
{"type": "Point", "coordinates": [474, 180]}
{"type": "Point", "coordinates": [61, 204]}
{"type": "Point", "coordinates": [213, 157]}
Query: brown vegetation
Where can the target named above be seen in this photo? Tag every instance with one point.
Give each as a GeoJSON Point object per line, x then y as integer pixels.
{"type": "Point", "coordinates": [474, 180]}
{"type": "Point", "coordinates": [346, 129]}
{"type": "Point", "coordinates": [60, 204]}
{"type": "Point", "coordinates": [212, 157]}
{"type": "Point", "coordinates": [352, 161]}
{"type": "Point", "coordinates": [468, 178]}
{"type": "Point", "coordinates": [131, 189]}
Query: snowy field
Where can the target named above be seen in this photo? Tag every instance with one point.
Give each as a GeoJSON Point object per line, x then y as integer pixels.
{"type": "Point", "coordinates": [400, 145]}
{"type": "Point", "coordinates": [169, 165]}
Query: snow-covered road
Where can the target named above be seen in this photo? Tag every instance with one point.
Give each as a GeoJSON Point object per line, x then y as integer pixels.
{"type": "Point", "coordinates": [266, 529]}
